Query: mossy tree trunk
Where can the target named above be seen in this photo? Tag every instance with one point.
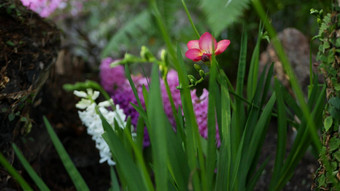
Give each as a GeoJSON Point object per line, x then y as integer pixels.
{"type": "Point", "coordinates": [327, 176]}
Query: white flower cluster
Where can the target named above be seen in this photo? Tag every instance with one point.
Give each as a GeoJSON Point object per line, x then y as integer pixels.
{"type": "Point", "coordinates": [92, 121]}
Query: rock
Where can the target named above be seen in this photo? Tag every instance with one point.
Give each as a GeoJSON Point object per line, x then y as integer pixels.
{"type": "Point", "coordinates": [296, 47]}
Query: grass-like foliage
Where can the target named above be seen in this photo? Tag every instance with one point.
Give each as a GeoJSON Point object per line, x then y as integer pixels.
{"type": "Point", "coordinates": [181, 159]}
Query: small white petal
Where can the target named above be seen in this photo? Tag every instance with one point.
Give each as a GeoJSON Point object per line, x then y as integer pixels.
{"type": "Point", "coordinates": [79, 93]}
{"type": "Point", "coordinates": [106, 103]}
{"type": "Point", "coordinates": [89, 91]}
{"type": "Point", "coordinates": [95, 95]}
{"type": "Point", "coordinates": [83, 104]}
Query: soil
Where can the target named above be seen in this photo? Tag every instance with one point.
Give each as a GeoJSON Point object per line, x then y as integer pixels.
{"type": "Point", "coordinates": [29, 47]}
{"type": "Point", "coordinates": [59, 107]}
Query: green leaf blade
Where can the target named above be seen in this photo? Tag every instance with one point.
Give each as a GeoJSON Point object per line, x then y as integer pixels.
{"type": "Point", "coordinates": [37, 180]}
{"type": "Point", "coordinates": [157, 131]}
{"type": "Point", "coordinates": [129, 171]}
{"type": "Point", "coordinates": [77, 179]}
{"type": "Point", "coordinates": [24, 185]}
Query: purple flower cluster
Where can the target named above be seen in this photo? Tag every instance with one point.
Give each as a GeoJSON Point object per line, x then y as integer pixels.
{"type": "Point", "coordinates": [200, 105]}
{"type": "Point", "coordinates": [111, 78]}
{"type": "Point", "coordinates": [114, 82]}
{"type": "Point", "coordinates": [44, 7]}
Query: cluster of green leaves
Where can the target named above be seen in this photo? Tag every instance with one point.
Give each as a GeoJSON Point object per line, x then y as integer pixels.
{"type": "Point", "coordinates": [331, 159]}
{"type": "Point", "coordinates": [326, 175]}
{"type": "Point", "coordinates": [328, 49]}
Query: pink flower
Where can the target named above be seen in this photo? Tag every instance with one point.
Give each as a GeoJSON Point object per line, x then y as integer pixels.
{"type": "Point", "coordinates": [202, 49]}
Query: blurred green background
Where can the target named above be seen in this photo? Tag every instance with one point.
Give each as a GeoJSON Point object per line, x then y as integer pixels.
{"type": "Point", "coordinates": [113, 28]}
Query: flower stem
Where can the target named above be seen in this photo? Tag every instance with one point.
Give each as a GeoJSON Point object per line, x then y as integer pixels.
{"type": "Point", "coordinates": [190, 19]}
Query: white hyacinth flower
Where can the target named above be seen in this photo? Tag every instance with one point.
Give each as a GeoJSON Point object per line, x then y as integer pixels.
{"type": "Point", "coordinates": [92, 121]}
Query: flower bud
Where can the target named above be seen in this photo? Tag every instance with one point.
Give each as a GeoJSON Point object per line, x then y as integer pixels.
{"type": "Point", "coordinates": [164, 56]}
{"type": "Point", "coordinates": [146, 54]}
{"type": "Point", "coordinates": [202, 73]}
{"type": "Point", "coordinates": [197, 67]}
{"type": "Point", "coordinates": [192, 79]}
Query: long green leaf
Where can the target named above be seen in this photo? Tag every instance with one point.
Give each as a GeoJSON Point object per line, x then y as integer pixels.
{"type": "Point", "coordinates": [267, 84]}
{"type": "Point", "coordinates": [239, 116]}
{"type": "Point", "coordinates": [157, 132]}
{"type": "Point", "coordinates": [114, 180]}
{"type": "Point", "coordinates": [257, 175]}
{"type": "Point", "coordinates": [291, 103]}
{"type": "Point", "coordinates": [35, 177]}
{"type": "Point", "coordinates": [177, 163]}
{"type": "Point", "coordinates": [193, 144]}
{"type": "Point", "coordinates": [224, 160]}
{"type": "Point", "coordinates": [140, 133]}
{"type": "Point", "coordinates": [77, 179]}
{"type": "Point", "coordinates": [254, 67]}
{"type": "Point", "coordinates": [190, 19]}
{"type": "Point", "coordinates": [211, 152]}
{"type": "Point", "coordinates": [242, 63]}
{"type": "Point", "coordinates": [130, 147]}
{"type": "Point", "coordinates": [179, 125]}
{"type": "Point", "coordinates": [24, 185]}
{"type": "Point", "coordinates": [130, 173]}
{"type": "Point", "coordinates": [133, 87]}
{"type": "Point", "coordinates": [259, 131]}
{"type": "Point", "coordinates": [300, 145]}
{"type": "Point", "coordinates": [234, 177]}
{"type": "Point", "coordinates": [282, 133]}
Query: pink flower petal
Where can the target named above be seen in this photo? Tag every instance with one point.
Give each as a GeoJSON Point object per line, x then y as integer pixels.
{"type": "Point", "coordinates": [193, 44]}
{"type": "Point", "coordinates": [221, 46]}
{"type": "Point", "coordinates": [194, 54]}
{"type": "Point", "coordinates": [205, 42]}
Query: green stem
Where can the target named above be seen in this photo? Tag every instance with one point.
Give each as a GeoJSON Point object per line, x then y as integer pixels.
{"type": "Point", "coordinates": [190, 19]}
{"type": "Point", "coordinates": [310, 64]}
{"type": "Point", "coordinates": [173, 108]}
